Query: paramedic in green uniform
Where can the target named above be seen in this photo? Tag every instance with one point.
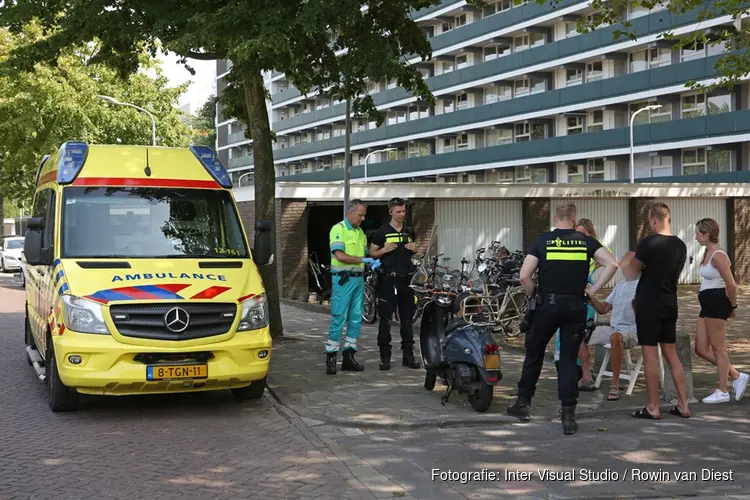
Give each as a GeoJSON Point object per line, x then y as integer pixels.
{"type": "Point", "coordinates": [348, 258]}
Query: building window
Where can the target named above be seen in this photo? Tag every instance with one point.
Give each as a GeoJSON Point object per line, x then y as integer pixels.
{"type": "Point", "coordinates": [575, 174]}
{"type": "Point", "coordinates": [660, 57]}
{"type": "Point", "coordinates": [651, 116]}
{"type": "Point", "coordinates": [447, 66]}
{"type": "Point", "coordinates": [497, 93]}
{"type": "Point", "coordinates": [462, 101]}
{"type": "Point", "coordinates": [594, 71]}
{"type": "Point", "coordinates": [521, 87]}
{"type": "Point", "coordinates": [498, 136]}
{"type": "Point", "coordinates": [573, 77]}
{"type": "Point", "coordinates": [449, 145]}
{"type": "Point", "coordinates": [527, 131]}
{"type": "Point", "coordinates": [571, 29]}
{"type": "Point", "coordinates": [713, 49]}
{"type": "Point", "coordinates": [323, 134]}
{"type": "Point", "coordinates": [495, 7]}
{"type": "Point", "coordinates": [661, 166]}
{"type": "Point", "coordinates": [636, 11]}
{"type": "Point", "coordinates": [528, 41]}
{"type": "Point", "coordinates": [693, 51]}
{"type": "Point", "coordinates": [495, 51]}
{"type": "Point", "coordinates": [663, 114]}
{"type": "Point", "coordinates": [533, 175]}
{"type": "Point", "coordinates": [417, 112]}
{"type": "Point", "coordinates": [575, 125]}
{"type": "Point", "coordinates": [460, 20]}
{"type": "Point", "coordinates": [595, 169]}
{"type": "Point", "coordinates": [650, 58]}
{"type": "Point", "coordinates": [719, 103]}
{"type": "Point", "coordinates": [595, 121]}
{"type": "Point", "coordinates": [638, 61]}
{"type": "Point", "coordinates": [447, 27]}
{"type": "Point", "coordinates": [462, 61]}
{"type": "Point", "coordinates": [505, 176]}
{"type": "Point", "coordinates": [449, 106]}
{"type": "Point", "coordinates": [694, 161]}
{"type": "Point", "coordinates": [462, 141]}
{"type": "Point", "coordinates": [693, 105]}
{"type": "Point", "coordinates": [538, 85]}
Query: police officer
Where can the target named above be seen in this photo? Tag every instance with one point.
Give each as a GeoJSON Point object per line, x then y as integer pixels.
{"type": "Point", "coordinates": [394, 245]}
{"type": "Point", "coordinates": [562, 257]}
{"type": "Point", "coordinates": [348, 250]}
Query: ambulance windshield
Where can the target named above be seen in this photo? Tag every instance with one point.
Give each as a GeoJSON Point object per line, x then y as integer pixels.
{"type": "Point", "coordinates": [133, 222]}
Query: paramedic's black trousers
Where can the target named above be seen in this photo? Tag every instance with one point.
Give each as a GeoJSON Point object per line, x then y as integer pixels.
{"type": "Point", "coordinates": [568, 313]}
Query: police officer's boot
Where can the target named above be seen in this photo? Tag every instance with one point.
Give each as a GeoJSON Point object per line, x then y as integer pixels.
{"type": "Point", "coordinates": [385, 358]}
{"type": "Point", "coordinates": [521, 409]}
{"type": "Point", "coordinates": [409, 360]}
{"type": "Point", "coordinates": [349, 363]}
{"type": "Point", "coordinates": [569, 420]}
{"type": "Point", "coordinates": [331, 363]}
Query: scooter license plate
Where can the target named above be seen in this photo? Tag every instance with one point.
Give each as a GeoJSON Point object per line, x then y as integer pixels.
{"type": "Point", "coordinates": [492, 361]}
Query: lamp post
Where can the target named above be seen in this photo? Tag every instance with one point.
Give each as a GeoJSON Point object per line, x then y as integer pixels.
{"type": "Point", "coordinates": [372, 153]}
{"type": "Point", "coordinates": [239, 180]}
{"type": "Point", "coordinates": [632, 119]}
{"type": "Point", "coordinates": [112, 100]}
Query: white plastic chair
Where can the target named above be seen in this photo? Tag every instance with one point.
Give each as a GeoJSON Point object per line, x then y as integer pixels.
{"type": "Point", "coordinates": [630, 371]}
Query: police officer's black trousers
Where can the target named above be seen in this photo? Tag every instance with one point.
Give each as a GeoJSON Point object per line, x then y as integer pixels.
{"type": "Point", "coordinates": [568, 313]}
{"type": "Point", "coordinates": [395, 292]}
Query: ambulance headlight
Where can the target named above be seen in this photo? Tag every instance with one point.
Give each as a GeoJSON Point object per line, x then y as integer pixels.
{"type": "Point", "coordinates": [83, 316]}
{"type": "Point", "coordinates": [254, 313]}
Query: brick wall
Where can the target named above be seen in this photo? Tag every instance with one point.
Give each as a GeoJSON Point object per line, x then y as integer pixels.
{"type": "Point", "coordinates": [247, 214]}
{"type": "Point", "coordinates": [536, 218]}
{"type": "Point", "coordinates": [291, 243]}
{"type": "Point", "coordinates": [639, 226]}
{"type": "Point", "coordinates": [423, 222]}
{"type": "Point", "coordinates": [739, 237]}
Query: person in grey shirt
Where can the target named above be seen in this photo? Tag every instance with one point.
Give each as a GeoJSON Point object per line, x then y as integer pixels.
{"type": "Point", "coordinates": [621, 334]}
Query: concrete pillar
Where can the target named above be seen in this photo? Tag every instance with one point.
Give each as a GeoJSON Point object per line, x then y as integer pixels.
{"type": "Point", "coordinates": [738, 212]}
{"type": "Point", "coordinates": [685, 353]}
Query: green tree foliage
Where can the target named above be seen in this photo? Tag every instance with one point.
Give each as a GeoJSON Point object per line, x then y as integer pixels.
{"type": "Point", "coordinates": [203, 124]}
{"type": "Point", "coordinates": [301, 39]}
{"type": "Point", "coordinates": [53, 102]}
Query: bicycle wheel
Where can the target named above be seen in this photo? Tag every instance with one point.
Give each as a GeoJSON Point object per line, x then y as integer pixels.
{"type": "Point", "coordinates": [325, 298]}
{"type": "Point", "coordinates": [514, 313]}
{"type": "Point", "coordinates": [370, 311]}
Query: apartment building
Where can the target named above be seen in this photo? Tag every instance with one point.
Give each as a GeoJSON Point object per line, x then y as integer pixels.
{"type": "Point", "coordinates": [521, 97]}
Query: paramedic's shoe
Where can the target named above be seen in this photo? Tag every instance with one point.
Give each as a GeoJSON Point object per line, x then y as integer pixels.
{"type": "Point", "coordinates": [331, 363]}
{"type": "Point", "coordinates": [349, 363]}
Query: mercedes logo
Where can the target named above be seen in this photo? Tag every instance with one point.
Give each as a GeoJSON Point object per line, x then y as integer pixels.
{"type": "Point", "coordinates": [177, 319]}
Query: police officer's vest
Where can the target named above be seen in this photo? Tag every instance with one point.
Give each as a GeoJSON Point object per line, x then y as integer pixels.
{"type": "Point", "coordinates": [352, 241]}
{"type": "Point", "coordinates": [565, 266]}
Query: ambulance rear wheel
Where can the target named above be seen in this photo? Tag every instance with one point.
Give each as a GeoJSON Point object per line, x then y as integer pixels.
{"type": "Point", "coordinates": [252, 391]}
{"type": "Point", "coordinates": [59, 397]}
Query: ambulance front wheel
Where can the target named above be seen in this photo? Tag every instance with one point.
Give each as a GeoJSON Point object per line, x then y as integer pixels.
{"type": "Point", "coordinates": [252, 391]}
{"type": "Point", "coordinates": [59, 396]}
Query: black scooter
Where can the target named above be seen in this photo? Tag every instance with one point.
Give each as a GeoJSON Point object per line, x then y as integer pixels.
{"type": "Point", "coordinates": [456, 340]}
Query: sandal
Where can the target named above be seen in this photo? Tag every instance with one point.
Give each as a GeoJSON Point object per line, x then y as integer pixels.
{"type": "Point", "coordinates": [614, 394]}
{"type": "Point", "coordinates": [677, 413]}
{"type": "Point", "coordinates": [586, 385]}
{"type": "Point", "coordinates": [644, 413]}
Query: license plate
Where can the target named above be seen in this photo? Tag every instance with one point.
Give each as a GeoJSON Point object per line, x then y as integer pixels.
{"type": "Point", "coordinates": [492, 361]}
{"type": "Point", "coordinates": [176, 372]}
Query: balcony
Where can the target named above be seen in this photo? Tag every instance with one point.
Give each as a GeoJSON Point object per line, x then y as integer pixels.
{"type": "Point", "coordinates": [726, 124]}
{"type": "Point", "coordinates": [240, 161]}
{"type": "Point", "coordinates": [549, 53]}
{"type": "Point", "coordinates": [236, 137]}
{"type": "Point", "coordinates": [626, 85]}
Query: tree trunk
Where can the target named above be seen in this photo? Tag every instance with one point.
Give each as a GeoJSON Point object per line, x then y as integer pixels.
{"type": "Point", "coordinates": [265, 185]}
{"type": "Point", "coordinates": [347, 155]}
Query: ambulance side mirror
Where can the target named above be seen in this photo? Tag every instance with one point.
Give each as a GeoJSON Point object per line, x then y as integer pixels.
{"type": "Point", "coordinates": [263, 253]}
{"type": "Point", "coordinates": [32, 245]}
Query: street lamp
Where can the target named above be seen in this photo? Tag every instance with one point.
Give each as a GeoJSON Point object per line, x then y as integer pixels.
{"type": "Point", "coordinates": [112, 100]}
{"type": "Point", "coordinates": [632, 119]}
{"type": "Point", "coordinates": [372, 153]}
{"type": "Point", "coordinates": [239, 181]}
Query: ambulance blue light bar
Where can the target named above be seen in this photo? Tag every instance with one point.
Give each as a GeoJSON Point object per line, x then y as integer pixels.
{"type": "Point", "coordinates": [213, 165]}
{"type": "Point", "coordinates": [71, 157]}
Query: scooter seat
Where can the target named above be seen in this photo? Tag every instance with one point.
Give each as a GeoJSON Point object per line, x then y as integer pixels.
{"type": "Point", "coordinates": [455, 324]}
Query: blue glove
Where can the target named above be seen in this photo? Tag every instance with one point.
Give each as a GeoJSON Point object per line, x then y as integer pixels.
{"type": "Point", "coordinates": [374, 263]}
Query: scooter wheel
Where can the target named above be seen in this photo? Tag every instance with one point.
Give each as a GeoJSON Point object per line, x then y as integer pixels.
{"type": "Point", "coordinates": [481, 399]}
{"type": "Point", "coordinates": [429, 381]}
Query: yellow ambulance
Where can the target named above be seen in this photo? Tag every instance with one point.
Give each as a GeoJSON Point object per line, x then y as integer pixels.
{"type": "Point", "coordinates": [140, 279]}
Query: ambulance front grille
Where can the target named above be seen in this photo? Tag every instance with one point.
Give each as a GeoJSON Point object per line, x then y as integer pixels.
{"type": "Point", "coordinates": [148, 321]}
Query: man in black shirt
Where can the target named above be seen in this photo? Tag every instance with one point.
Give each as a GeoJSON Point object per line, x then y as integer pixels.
{"type": "Point", "coordinates": [562, 257]}
{"type": "Point", "coordinates": [660, 258]}
{"type": "Point", "coordinates": [394, 245]}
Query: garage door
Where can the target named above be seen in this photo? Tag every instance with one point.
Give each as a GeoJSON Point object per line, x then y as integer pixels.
{"type": "Point", "coordinates": [685, 213]}
{"type": "Point", "coordinates": [611, 221]}
{"type": "Point", "coordinates": [464, 226]}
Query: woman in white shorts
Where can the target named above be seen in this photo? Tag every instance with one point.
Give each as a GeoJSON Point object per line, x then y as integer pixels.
{"type": "Point", "coordinates": [718, 300]}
